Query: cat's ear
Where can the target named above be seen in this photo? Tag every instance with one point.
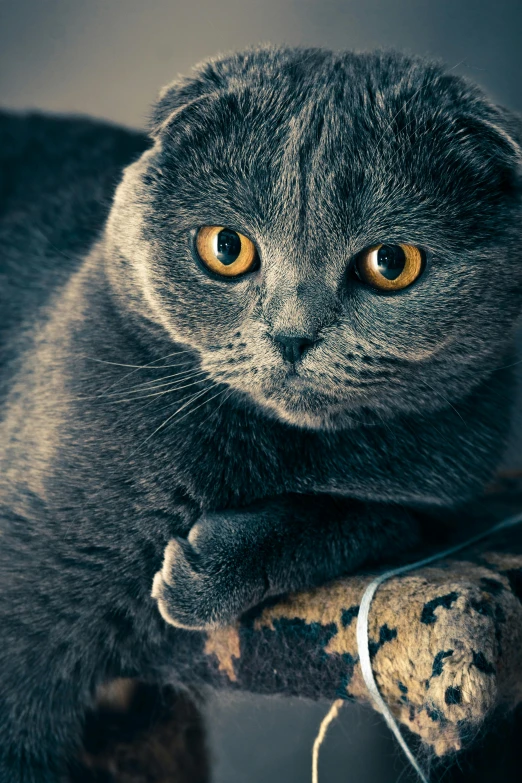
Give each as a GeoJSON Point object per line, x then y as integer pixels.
{"type": "Point", "coordinates": [208, 78]}
{"type": "Point", "coordinates": [505, 130]}
{"type": "Point", "coordinates": [174, 97]}
{"type": "Point", "coordinates": [497, 136]}
{"type": "Point", "coordinates": [512, 128]}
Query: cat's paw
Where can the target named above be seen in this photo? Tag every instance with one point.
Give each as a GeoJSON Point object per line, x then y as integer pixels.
{"type": "Point", "coordinates": [203, 581]}
{"type": "Point", "coordinates": [177, 587]}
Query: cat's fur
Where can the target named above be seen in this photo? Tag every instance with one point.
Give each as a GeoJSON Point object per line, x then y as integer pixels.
{"type": "Point", "coordinates": [265, 481]}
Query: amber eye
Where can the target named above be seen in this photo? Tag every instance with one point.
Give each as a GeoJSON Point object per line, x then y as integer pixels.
{"type": "Point", "coordinates": [225, 252]}
{"type": "Point", "coordinates": [390, 267]}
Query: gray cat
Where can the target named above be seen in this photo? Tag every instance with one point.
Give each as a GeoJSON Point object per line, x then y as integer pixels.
{"type": "Point", "coordinates": [262, 362]}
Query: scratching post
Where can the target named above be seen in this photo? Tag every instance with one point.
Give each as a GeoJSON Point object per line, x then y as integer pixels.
{"type": "Point", "coordinates": [446, 642]}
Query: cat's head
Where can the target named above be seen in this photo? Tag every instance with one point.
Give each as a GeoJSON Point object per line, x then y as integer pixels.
{"type": "Point", "coordinates": [337, 236]}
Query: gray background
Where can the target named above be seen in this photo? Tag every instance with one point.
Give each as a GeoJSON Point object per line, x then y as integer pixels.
{"type": "Point", "coordinates": [109, 58]}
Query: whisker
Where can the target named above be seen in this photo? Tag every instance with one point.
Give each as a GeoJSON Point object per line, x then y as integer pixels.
{"type": "Point", "coordinates": [137, 390]}
{"type": "Point", "coordinates": [138, 367]}
{"type": "Point", "coordinates": [193, 398]}
{"type": "Point", "coordinates": [165, 367]}
{"type": "Point", "coordinates": [156, 384]}
{"type": "Point", "coordinates": [445, 400]}
{"type": "Point", "coordinates": [219, 406]}
{"type": "Point", "coordinates": [507, 366]}
{"type": "Point", "coordinates": [201, 404]}
{"type": "Point", "coordinates": [169, 405]}
{"type": "Point", "coordinates": [158, 394]}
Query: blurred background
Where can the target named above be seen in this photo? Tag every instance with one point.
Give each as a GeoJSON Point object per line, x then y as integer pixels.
{"type": "Point", "coordinates": [109, 58]}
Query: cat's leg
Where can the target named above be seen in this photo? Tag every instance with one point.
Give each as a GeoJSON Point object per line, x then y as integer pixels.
{"type": "Point", "coordinates": [65, 628]}
{"type": "Point", "coordinates": [49, 664]}
{"type": "Point", "coordinates": [232, 560]}
{"type": "Point", "coordinates": [42, 702]}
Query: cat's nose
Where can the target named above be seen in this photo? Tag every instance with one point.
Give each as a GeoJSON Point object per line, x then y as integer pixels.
{"type": "Point", "coordinates": [292, 346]}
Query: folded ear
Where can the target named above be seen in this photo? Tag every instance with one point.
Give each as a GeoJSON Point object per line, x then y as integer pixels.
{"type": "Point", "coordinates": [511, 131]}
{"type": "Point", "coordinates": [175, 96]}
{"type": "Point", "coordinates": [210, 76]}
{"type": "Point", "coordinates": [496, 135]}
{"type": "Point", "coordinates": [214, 76]}
{"type": "Point", "coordinates": [512, 127]}
{"type": "Point", "coordinates": [505, 134]}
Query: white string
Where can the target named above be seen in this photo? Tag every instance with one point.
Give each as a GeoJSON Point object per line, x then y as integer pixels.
{"type": "Point", "coordinates": [330, 716]}
{"type": "Point", "coordinates": [363, 645]}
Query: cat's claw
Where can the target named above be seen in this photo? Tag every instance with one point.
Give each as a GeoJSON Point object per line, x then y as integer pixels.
{"type": "Point", "coordinates": [199, 586]}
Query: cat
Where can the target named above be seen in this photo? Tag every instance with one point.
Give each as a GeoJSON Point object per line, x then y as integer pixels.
{"type": "Point", "coordinates": [246, 353]}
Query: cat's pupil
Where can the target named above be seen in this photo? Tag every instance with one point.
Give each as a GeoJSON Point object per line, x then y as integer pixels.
{"type": "Point", "coordinates": [390, 261]}
{"type": "Point", "coordinates": [228, 246]}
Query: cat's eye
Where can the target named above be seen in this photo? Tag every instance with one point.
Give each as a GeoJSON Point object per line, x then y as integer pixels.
{"type": "Point", "coordinates": [390, 267]}
{"type": "Point", "coordinates": [226, 252]}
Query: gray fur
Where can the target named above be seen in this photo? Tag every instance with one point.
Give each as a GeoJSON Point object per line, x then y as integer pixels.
{"type": "Point", "coordinates": [269, 477]}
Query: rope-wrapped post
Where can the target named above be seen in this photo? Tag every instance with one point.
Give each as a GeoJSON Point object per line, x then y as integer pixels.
{"type": "Point", "coordinates": [446, 646]}
{"type": "Point", "coordinates": [445, 641]}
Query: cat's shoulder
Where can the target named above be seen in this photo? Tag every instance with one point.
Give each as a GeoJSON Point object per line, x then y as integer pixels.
{"type": "Point", "coordinates": [34, 143]}
{"type": "Point", "coordinates": [57, 178]}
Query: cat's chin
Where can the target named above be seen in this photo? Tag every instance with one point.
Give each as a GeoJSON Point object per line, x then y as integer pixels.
{"type": "Point", "coordinates": [329, 419]}
{"type": "Point", "coordinates": [309, 410]}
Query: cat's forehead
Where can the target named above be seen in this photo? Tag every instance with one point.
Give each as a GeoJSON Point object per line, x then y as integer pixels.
{"type": "Point", "coordinates": [357, 143]}
{"type": "Point", "coordinates": [299, 104]}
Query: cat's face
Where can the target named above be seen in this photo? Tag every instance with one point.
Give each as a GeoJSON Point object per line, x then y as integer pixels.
{"type": "Point", "coordinates": [316, 158]}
